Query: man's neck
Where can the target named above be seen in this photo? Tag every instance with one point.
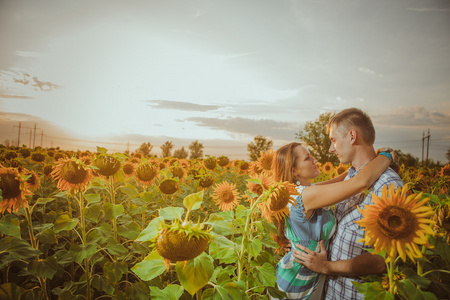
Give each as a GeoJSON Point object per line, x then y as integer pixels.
{"type": "Point", "coordinates": [362, 156]}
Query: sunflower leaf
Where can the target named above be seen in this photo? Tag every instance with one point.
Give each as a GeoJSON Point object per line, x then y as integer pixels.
{"type": "Point", "coordinates": [171, 213]}
{"type": "Point", "coordinates": [151, 267]}
{"type": "Point", "coordinates": [195, 273]}
{"type": "Point", "coordinates": [170, 292]}
{"type": "Point", "coordinates": [193, 201]}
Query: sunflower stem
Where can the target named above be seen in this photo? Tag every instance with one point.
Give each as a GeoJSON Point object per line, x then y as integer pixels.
{"type": "Point", "coordinates": [391, 267]}
{"type": "Point", "coordinates": [420, 264]}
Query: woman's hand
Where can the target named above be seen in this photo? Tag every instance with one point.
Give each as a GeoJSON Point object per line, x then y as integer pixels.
{"type": "Point", "coordinates": [315, 261]}
{"type": "Point", "coordinates": [394, 163]}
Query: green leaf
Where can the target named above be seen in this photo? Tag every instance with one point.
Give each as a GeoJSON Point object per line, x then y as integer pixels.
{"type": "Point", "coordinates": [102, 284]}
{"type": "Point", "coordinates": [376, 291]}
{"type": "Point", "coordinates": [221, 226]}
{"type": "Point", "coordinates": [170, 292]}
{"type": "Point", "coordinates": [151, 230]}
{"type": "Point", "coordinates": [44, 200]}
{"type": "Point", "coordinates": [19, 249]}
{"type": "Point", "coordinates": [47, 236]}
{"type": "Point", "coordinates": [10, 291]}
{"type": "Point", "coordinates": [408, 290]}
{"type": "Point", "coordinates": [254, 247]}
{"type": "Point", "coordinates": [137, 291]}
{"type": "Point", "coordinates": [130, 231]}
{"type": "Point", "coordinates": [266, 274]}
{"type": "Point", "coordinates": [92, 198]}
{"type": "Point", "coordinates": [43, 267]}
{"type": "Point", "coordinates": [115, 248]}
{"type": "Point", "coordinates": [225, 255]}
{"type": "Point", "coordinates": [152, 266]}
{"type": "Point", "coordinates": [417, 279]}
{"type": "Point", "coordinates": [93, 212]}
{"type": "Point", "coordinates": [171, 213]}
{"type": "Point", "coordinates": [64, 222]}
{"type": "Point", "coordinates": [10, 225]}
{"type": "Point", "coordinates": [276, 293]}
{"type": "Point", "coordinates": [112, 211]}
{"type": "Point", "coordinates": [196, 273]}
{"type": "Point", "coordinates": [101, 150]}
{"type": "Point", "coordinates": [130, 191]}
{"type": "Point", "coordinates": [114, 270]}
{"type": "Point", "coordinates": [80, 253]}
{"type": "Point", "coordinates": [193, 201]}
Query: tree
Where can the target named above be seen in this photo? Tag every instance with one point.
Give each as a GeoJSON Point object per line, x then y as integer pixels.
{"type": "Point", "coordinates": [260, 144]}
{"type": "Point", "coordinates": [196, 150]}
{"type": "Point", "coordinates": [166, 149]}
{"type": "Point", "coordinates": [180, 153]}
{"type": "Point", "coordinates": [448, 155]}
{"type": "Point", "coordinates": [145, 149]}
{"type": "Point", "coordinates": [407, 159]}
{"type": "Point", "coordinates": [314, 135]}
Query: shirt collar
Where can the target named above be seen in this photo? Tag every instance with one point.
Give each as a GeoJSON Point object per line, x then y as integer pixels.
{"type": "Point", "coordinates": [352, 171]}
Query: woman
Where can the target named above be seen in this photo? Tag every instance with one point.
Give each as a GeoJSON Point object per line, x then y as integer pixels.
{"type": "Point", "coordinates": [310, 221]}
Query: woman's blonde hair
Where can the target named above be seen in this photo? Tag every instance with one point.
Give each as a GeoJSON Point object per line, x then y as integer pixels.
{"type": "Point", "coordinates": [283, 163]}
{"type": "Point", "coordinates": [282, 167]}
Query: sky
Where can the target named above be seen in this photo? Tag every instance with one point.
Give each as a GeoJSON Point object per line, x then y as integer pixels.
{"type": "Point", "coordinates": [115, 74]}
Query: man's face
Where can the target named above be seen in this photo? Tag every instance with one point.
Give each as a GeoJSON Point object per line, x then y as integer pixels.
{"type": "Point", "coordinates": [341, 144]}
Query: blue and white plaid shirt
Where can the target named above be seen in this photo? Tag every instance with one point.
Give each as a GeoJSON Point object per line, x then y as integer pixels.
{"type": "Point", "coordinates": [344, 244]}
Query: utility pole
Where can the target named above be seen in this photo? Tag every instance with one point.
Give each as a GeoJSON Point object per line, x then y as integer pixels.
{"type": "Point", "coordinates": [42, 137]}
{"type": "Point", "coordinates": [428, 144]}
{"type": "Point", "coordinates": [18, 136]}
{"type": "Point", "coordinates": [31, 132]}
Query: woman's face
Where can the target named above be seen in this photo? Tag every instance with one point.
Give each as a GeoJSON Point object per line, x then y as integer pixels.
{"type": "Point", "coordinates": [305, 166]}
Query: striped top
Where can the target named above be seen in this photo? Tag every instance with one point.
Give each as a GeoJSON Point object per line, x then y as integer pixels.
{"type": "Point", "coordinates": [297, 281]}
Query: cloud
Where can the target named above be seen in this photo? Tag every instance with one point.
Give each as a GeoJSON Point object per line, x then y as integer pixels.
{"type": "Point", "coordinates": [26, 53]}
{"type": "Point", "coordinates": [265, 127]}
{"type": "Point", "coordinates": [413, 117]}
{"type": "Point", "coordinates": [8, 96]}
{"type": "Point", "coordinates": [180, 105]}
{"type": "Point", "coordinates": [370, 72]}
{"type": "Point", "coordinates": [21, 85]}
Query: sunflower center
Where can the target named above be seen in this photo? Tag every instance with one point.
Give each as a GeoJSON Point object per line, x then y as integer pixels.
{"type": "Point", "coordinates": [10, 186]}
{"type": "Point", "coordinates": [145, 173]}
{"type": "Point", "coordinates": [73, 173]}
{"type": "Point", "coordinates": [396, 222]}
{"type": "Point", "coordinates": [227, 197]}
{"type": "Point", "coordinates": [279, 199]}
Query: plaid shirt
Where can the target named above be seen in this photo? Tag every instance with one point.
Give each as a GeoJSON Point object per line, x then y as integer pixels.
{"type": "Point", "coordinates": [344, 244]}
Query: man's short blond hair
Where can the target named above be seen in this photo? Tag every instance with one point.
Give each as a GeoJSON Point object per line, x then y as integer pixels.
{"type": "Point", "coordinates": [356, 119]}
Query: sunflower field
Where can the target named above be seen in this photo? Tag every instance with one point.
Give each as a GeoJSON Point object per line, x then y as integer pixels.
{"type": "Point", "coordinates": [83, 225]}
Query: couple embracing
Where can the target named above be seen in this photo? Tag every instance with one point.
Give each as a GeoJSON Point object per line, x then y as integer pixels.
{"type": "Point", "coordinates": [325, 255]}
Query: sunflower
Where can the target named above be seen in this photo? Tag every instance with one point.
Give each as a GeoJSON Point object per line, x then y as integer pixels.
{"type": "Point", "coordinates": [128, 168]}
{"type": "Point", "coordinates": [265, 160]}
{"type": "Point", "coordinates": [210, 163]}
{"type": "Point", "coordinates": [445, 171]}
{"type": "Point", "coordinates": [258, 189]}
{"type": "Point", "coordinates": [13, 188]}
{"type": "Point", "coordinates": [71, 174]}
{"type": "Point", "coordinates": [206, 181]}
{"type": "Point", "coordinates": [168, 186]}
{"type": "Point", "coordinates": [243, 166]}
{"type": "Point", "coordinates": [33, 180]}
{"type": "Point", "coordinates": [25, 153]}
{"type": "Point", "coordinates": [145, 174]}
{"type": "Point", "coordinates": [107, 166]}
{"type": "Point", "coordinates": [397, 223]}
{"type": "Point", "coordinates": [276, 205]}
{"type": "Point", "coordinates": [37, 157]}
{"type": "Point", "coordinates": [328, 167]}
{"type": "Point", "coordinates": [341, 169]}
{"type": "Point", "coordinates": [226, 195]}
{"type": "Point", "coordinates": [255, 169]}
{"type": "Point", "coordinates": [397, 277]}
{"type": "Point", "coordinates": [223, 161]}
{"type": "Point", "coordinates": [177, 172]}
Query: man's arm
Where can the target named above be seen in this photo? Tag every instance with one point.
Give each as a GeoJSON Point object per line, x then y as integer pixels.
{"type": "Point", "coordinates": [361, 265]}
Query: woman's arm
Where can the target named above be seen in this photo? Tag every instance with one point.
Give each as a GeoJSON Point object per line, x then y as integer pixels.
{"type": "Point", "coordinates": [317, 196]}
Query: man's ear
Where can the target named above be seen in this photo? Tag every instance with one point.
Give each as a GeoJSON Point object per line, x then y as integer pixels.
{"type": "Point", "coordinates": [353, 134]}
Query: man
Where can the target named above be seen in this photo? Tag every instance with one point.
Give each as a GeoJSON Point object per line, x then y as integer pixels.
{"type": "Point", "coordinates": [352, 137]}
